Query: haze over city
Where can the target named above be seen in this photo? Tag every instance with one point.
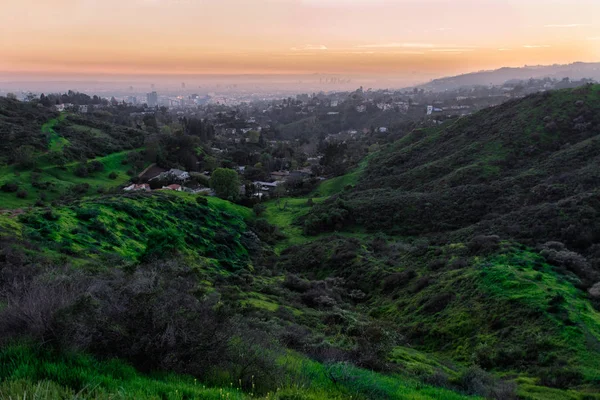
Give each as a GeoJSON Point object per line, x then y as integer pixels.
{"type": "Point", "coordinates": [401, 41]}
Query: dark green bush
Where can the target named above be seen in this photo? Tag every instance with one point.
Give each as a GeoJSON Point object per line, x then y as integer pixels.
{"type": "Point", "coordinates": [81, 170]}
{"type": "Point", "coordinates": [9, 187]}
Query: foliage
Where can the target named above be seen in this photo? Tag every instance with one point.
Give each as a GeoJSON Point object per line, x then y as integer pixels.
{"type": "Point", "coordinates": [226, 183]}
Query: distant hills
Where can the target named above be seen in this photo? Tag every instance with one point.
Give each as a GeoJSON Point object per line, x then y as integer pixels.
{"type": "Point", "coordinates": [575, 71]}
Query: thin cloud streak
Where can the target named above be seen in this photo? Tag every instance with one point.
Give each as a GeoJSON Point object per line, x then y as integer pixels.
{"type": "Point", "coordinates": [310, 47]}
{"type": "Point", "coordinates": [565, 25]}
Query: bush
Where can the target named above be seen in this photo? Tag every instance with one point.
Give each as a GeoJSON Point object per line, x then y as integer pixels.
{"type": "Point", "coordinates": [483, 244]}
{"type": "Point", "coordinates": [163, 244]}
{"type": "Point", "coordinates": [202, 200]}
{"type": "Point", "coordinates": [80, 188]}
{"type": "Point", "coordinates": [475, 381]}
{"type": "Point", "coordinates": [398, 280]}
{"type": "Point", "coordinates": [95, 166]}
{"type": "Point", "coordinates": [9, 187]}
{"type": "Point", "coordinates": [81, 170]}
{"type": "Point", "coordinates": [259, 209]}
{"type": "Point", "coordinates": [113, 175]}
{"type": "Point", "coordinates": [22, 194]}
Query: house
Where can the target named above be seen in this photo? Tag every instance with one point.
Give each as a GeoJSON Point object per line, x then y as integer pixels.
{"type": "Point", "coordinates": [266, 186]}
{"type": "Point", "coordinates": [138, 188]}
{"type": "Point", "coordinates": [174, 187]}
{"type": "Point", "coordinates": [173, 174]}
{"type": "Point", "coordinates": [279, 175]}
{"type": "Point", "coordinates": [83, 109]}
{"type": "Point", "coordinates": [301, 173]}
{"type": "Point", "coordinates": [60, 107]}
{"type": "Point", "coordinates": [383, 129]}
{"type": "Point", "coordinates": [361, 109]}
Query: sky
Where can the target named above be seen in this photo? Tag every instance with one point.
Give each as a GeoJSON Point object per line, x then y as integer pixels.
{"type": "Point", "coordinates": [353, 37]}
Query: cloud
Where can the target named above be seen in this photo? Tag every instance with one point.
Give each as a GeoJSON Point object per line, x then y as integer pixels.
{"type": "Point", "coordinates": [311, 47]}
{"type": "Point", "coordinates": [452, 50]}
{"type": "Point", "coordinates": [594, 38]}
{"type": "Point", "coordinates": [536, 46]}
{"type": "Point", "coordinates": [398, 45]}
{"type": "Point", "coordinates": [504, 49]}
{"type": "Point", "coordinates": [565, 25]}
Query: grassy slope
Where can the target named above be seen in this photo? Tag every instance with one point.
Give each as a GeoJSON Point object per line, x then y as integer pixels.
{"type": "Point", "coordinates": [29, 372]}
{"type": "Point", "coordinates": [60, 179]}
{"type": "Point", "coordinates": [94, 228]}
{"type": "Point", "coordinates": [504, 306]}
{"type": "Point", "coordinates": [283, 212]}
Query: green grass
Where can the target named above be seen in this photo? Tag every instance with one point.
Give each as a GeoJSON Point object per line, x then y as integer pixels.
{"type": "Point", "coordinates": [336, 185]}
{"type": "Point", "coordinates": [283, 212]}
{"type": "Point", "coordinates": [93, 228]}
{"type": "Point", "coordinates": [470, 315]}
{"type": "Point", "coordinates": [56, 142]}
{"type": "Point", "coordinates": [61, 180]}
{"type": "Point", "coordinates": [33, 372]}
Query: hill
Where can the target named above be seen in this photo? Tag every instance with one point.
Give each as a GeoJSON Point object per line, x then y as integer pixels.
{"type": "Point", "coordinates": [169, 282]}
{"type": "Point", "coordinates": [497, 171]}
{"type": "Point", "coordinates": [460, 261]}
{"type": "Point", "coordinates": [44, 155]}
{"type": "Point", "coordinates": [486, 237]}
{"type": "Point", "coordinates": [575, 71]}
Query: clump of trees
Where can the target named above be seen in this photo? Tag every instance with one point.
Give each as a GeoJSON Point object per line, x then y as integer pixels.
{"type": "Point", "coordinates": [226, 183]}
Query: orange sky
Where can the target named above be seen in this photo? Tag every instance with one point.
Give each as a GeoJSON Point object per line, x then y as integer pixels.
{"type": "Point", "coordinates": [375, 37]}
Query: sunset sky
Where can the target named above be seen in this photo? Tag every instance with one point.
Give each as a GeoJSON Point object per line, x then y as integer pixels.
{"type": "Point", "coordinates": [377, 37]}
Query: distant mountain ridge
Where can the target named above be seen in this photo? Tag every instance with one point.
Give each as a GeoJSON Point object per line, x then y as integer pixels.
{"type": "Point", "coordinates": [575, 71]}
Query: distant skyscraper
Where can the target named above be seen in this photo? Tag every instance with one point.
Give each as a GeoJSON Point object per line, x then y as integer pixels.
{"type": "Point", "coordinates": [152, 99]}
{"type": "Point", "coordinates": [183, 85]}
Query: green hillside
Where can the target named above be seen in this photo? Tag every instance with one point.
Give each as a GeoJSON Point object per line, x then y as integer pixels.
{"type": "Point", "coordinates": [458, 262]}
{"type": "Point", "coordinates": [46, 156]}
{"type": "Point", "coordinates": [479, 239]}
{"type": "Point", "coordinates": [146, 253]}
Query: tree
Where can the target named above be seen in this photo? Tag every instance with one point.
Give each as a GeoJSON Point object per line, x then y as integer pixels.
{"type": "Point", "coordinates": [253, 136]}
{"type": "Point", "coordinates": [23, 156]}
{"type": "Point", "coordinates": [226, 183]}
{"type": "Point", "coordinates": [210, 163]}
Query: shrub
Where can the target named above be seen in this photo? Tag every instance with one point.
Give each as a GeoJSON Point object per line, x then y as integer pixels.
{"type": "Point", "coordinates": [95, 166]}
{"type": "Point", "coordinates": [113, 175]}
{"type": "Point", "coordinates": [295, 283]}
{"type": "Point", "coordinates": [398, 280]}
{"type": "Point", "coordinates": [259, 209]}
{"type": "Point", "coordinates": [22, 194]}
{"type": "Point", "coordinates": [561, 378]}
{"type": "Point", "coordinates": [483, 244]}
{"type": "Point", "coordinates": [9, 187]}
{"type": "Point", "coordinates": [81, 170]}
{"type": "Point", "coordinates": [80, 188]}
{"type": "Point", "coordinates": [202, 200]}
{"type": "Point", "coordinates": [475, 381]}
{"type": "Point", "coordinates": [163, 244]}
